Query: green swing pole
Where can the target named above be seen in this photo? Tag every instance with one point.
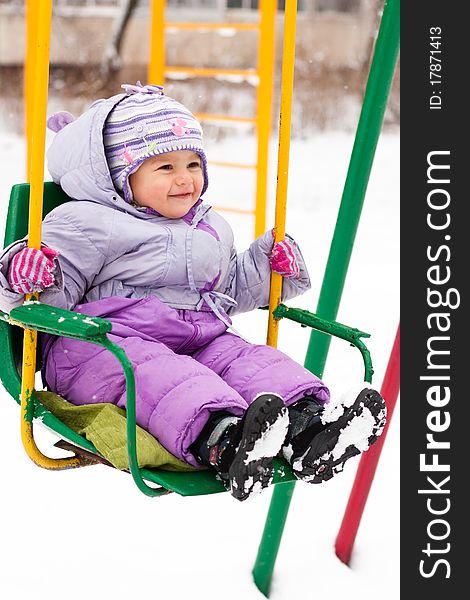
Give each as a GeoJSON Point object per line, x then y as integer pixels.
{"type": "Point", "coordinates": [362, 156]}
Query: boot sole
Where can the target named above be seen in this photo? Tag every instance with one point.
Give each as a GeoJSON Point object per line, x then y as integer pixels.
{"type": "Point", "coordinates": [264, 431]}
{"type": "Point", "coordinates": [321, 461]}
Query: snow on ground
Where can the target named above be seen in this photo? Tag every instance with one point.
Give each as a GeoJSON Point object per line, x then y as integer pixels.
{"type": "Point", "coordinates": [91, 533]}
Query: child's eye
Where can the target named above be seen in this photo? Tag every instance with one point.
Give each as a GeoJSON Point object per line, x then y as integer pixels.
{"type": "Point", "coordinates": [194, 165]}
{"type": "Point", "coordinates": [165, 167]}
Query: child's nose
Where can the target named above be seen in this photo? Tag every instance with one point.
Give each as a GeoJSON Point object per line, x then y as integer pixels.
{"type": "Point", "coordinates": [183, 178]}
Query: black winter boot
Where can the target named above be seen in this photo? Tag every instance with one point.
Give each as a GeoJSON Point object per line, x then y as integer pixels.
{"type": "Point", "coordinates": [241, 450]}
{"type": "Point", "coordinates": [321, 439]}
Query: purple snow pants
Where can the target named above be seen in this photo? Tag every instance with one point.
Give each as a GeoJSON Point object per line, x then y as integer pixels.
{"type": "Point", "coordinates": [186, 366]}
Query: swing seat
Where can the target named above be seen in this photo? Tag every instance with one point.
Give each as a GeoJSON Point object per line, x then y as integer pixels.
{"type": "Point", "coordinates": [48, 319]}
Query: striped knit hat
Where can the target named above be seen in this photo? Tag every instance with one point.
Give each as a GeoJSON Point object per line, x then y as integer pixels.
{"type": "Point", "coordinates": [146, 123]}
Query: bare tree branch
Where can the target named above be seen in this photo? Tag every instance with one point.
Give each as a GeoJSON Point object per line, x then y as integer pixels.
{"type": "Point", "coordinates": [112, 59]}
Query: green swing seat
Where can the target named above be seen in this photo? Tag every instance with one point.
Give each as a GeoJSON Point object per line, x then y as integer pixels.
{"type": "Point", "coordinates": [48, 319]}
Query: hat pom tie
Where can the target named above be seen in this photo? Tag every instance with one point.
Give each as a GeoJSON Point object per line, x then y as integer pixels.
{"type": "Point", "coordinates": [138, 88]}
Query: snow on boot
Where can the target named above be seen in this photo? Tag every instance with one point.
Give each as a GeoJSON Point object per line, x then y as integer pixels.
{"type": "Point", "coordinates": [241, 450]}
{"type": "Point", "coordinates": [321, 439]}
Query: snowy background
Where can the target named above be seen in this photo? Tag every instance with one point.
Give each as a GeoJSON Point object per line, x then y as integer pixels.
{"type": "Point", "coordinates": [90, 533]}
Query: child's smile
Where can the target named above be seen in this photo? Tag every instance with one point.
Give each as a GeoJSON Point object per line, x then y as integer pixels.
{"type": "Point", "coordinates": [182, 196]}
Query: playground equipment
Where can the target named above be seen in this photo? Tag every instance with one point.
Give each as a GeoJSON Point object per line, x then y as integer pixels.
{"type": "Point", "coordinates": [264, 73]}
{"type": "Point", "coordinates": [367, 134]}
{"type": "Point", "coordinates": [368, 464]}
{"type": "Point", "coordinates": [32, 317]}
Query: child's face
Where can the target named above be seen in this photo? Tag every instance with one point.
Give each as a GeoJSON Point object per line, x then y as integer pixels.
{"type": "Point", "coordinates": [169, 183]}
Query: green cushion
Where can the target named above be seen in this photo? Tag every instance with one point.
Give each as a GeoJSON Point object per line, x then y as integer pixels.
{"type": "Point", "coordinates": [105, 426]}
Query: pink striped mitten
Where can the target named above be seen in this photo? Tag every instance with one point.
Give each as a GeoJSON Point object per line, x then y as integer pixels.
{"type": "Point", "coordinates": [31, 270]}
{"type": "Point", "coordinates": [283, 259]}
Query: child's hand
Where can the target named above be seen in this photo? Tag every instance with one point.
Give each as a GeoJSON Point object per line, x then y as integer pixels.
{"type": "Point", "coordinates": [31, 270]}
{"type": "Point", "coordinates": [283, 260]}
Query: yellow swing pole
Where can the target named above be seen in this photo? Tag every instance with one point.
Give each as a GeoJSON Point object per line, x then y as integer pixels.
{"type": "Point", "coordinates": [157, 47]}
{"type": "Point", "coordinates": [39, 86]}
{"type": "Point", "coordinates": [287, 85]}
{"type": "Point", "coordinates": [31, 17]}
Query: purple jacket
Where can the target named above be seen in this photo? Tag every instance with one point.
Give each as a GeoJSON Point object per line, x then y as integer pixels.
{"type": "Point", "coordinates": [110, 248]}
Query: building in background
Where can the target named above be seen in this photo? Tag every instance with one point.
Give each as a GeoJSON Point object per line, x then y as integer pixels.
{"type": "Point", "coordinates": [334, 41]}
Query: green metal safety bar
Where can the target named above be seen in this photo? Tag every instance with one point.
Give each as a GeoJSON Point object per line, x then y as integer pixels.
{"type": "Point", "coordinates": [58, 321]}
{"type": "Point", "coordinates": [350, 334]}
{"type": "Point", "coordinates": [367, 134]}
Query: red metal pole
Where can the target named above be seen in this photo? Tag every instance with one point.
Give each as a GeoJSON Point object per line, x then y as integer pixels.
{"type": "Point", "coordinates": [368, 464]}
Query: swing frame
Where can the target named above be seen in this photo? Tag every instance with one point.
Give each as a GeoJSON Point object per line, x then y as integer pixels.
{"type": "Point", "coordinates": [372, 113]}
